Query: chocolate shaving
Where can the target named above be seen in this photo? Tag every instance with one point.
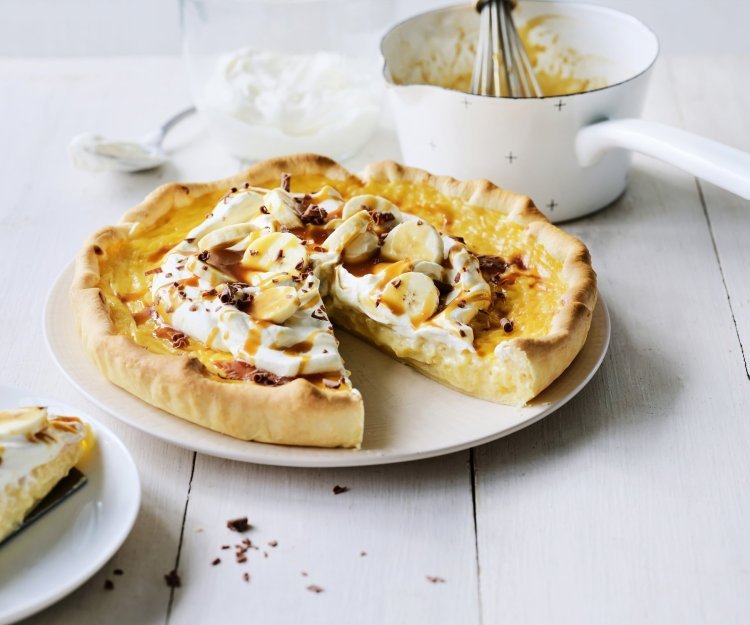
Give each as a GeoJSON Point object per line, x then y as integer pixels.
{"type": "Point", "coordinates": [153, 271]}
{"type": "Point", "coordinates": [178, 339]}
{"type": "Point", "coordinates": [239, 525]}
{"type": "Point", "coordinates": [382, 217]}
{"type": "Point", "coordinates": [337, 490]}
{"type": "Point", "coordinates": [286, 182]}
{"type": "Point", "coordinates": [216, 561]}
{"type": "Point", "coordinates": [314, 215]}
{"type": "Point", "coordinates": [98, 251]}
{"type": "Point", "coordinates": [318, 313]}
{"type": "Point", "coordinates": [190, 240]}
{"type": "Point", "coordinates": [238, 370]}
{"type": "Point", "coordinates": [434, 579]}
{"type": "Point", "coordinates": [203, 256]}
{"type": "Point", "coordinates": [443, 287]}
{"type": "Point", "coordinates": [264, 210]}
{"type": "Point", "coordinates": [493, 264]}
{"type": "Point", "coordinates": [173, 579]}
{"type": "Point", "coordinates": [315, 588]}
{"type": "Point", "coordinates": [396, 283]}
{"type": "Point", "coordinates": [232, 293]}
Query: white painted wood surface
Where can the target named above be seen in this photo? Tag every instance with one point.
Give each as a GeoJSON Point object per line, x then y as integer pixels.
{"type": "Point", "coordinates": [629, 505]}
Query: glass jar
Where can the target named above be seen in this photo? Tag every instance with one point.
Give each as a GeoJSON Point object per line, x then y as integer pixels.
{"type": "Point", "coordinates": [274, 77]}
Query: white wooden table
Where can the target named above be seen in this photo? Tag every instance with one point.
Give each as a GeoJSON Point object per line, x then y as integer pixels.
{"type": "Point", "coordinates": [629, 505]}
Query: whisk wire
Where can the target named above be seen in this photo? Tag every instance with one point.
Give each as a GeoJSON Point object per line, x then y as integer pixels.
{"type": "Point", "coordinates": [501, 64]}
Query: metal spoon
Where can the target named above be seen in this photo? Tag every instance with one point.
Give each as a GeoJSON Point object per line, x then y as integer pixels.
{"type": "Point", "coordinates": [93, 152]}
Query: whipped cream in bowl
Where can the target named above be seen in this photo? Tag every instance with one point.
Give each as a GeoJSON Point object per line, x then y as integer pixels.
{"type": "Point", "coordinates": [275, 77]}
{"type": "Point", "coordinates": [263, 104]}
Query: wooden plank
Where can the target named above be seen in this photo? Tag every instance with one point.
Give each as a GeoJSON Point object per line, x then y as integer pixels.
{"type": "Point", "coordinates": [630, 505]}
{"type": "Point", "coordinates": [46, 213]}
{"type": "Point", "coordinates": [714, 100]}
{"type": "Point", "coordinates": [412, 521]}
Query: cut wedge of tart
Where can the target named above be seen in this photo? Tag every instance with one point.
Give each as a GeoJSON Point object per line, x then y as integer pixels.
{"type": "Point", "coordinates": [214, 301]}
{"type": "Point", "coordinates": [37, 450]}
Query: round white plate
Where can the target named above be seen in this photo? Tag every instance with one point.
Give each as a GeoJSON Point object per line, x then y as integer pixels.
{"type": "Point", "coordinates": [407, 416]}
{"type": "Point", "coordinates": [73, 541]}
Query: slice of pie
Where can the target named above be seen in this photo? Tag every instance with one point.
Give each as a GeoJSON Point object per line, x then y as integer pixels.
{"type": "Point", "coordinates": [37, 450]}
{"type": "Point", "coordinates": [214, 301]}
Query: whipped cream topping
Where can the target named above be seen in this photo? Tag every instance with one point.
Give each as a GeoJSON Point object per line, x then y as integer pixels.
{"type": "Point", "coordinates": [265, 103]}
{"type": "Point", "coordinates": [241, 283]}
{"type": "Point", "coordinates": [250, 279]}
{"type": "Point", "coordinates": [404, 292]}
{"type": "Point", "coordinates": [31, 437]}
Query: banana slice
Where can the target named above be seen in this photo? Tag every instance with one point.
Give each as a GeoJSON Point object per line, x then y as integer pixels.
{"type": "Point", "coordinates": [282, 207]}
{"type": "Point", "coordinates": [361, 248]}
{"type": "Point", "coordinates": [414, 239]}
{"type": "Point", "coordinates": [276, 251]}
{"type": "Point", "coordinates": [275, 304]}
{"type": "Point", "coordinates": [224, 237]}
{"type": "Point", "coordinates": [433, 270]}
{"type": "Point", "coordinates": [413, 294]}
{"type": "Point", "coordinates": [328, 198]}
{"type": "Point", "coordinates": [372, 204]}
{"type": "Point", "coordinates": [346, 232]}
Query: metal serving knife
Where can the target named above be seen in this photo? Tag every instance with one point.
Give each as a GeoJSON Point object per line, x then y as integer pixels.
{"type": "Point", "coordinates": [69, 485]}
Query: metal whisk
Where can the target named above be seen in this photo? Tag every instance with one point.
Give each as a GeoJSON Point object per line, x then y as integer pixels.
{"type": "Point", "coordinates": [501, 67]}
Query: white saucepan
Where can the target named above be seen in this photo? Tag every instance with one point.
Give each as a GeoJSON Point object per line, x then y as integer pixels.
{"type": "Point", "coordinates": [570, 153]}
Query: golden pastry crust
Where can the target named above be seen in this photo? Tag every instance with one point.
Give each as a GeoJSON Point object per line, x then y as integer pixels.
{"type": "Point", "coordinates": [299, 412]}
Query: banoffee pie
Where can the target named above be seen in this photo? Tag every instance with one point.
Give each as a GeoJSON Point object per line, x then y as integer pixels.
{"type": "Point", "coordinates": [218, 301]}
{"type": "Point", "coordinates": [37, 450]}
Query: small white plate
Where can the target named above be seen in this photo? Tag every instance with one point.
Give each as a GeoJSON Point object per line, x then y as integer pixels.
{"type": "Point", "coordinates": [407, 416]}
{"type": "Point", "coordinates": [69, 544]}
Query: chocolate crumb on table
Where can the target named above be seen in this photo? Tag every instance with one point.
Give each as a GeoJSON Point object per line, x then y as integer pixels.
{"type": "Point", "coordinates": [216, 561]}
{"type": "Point", "coordinates": [109, 584]}
{"type": "Point", "coordinates": [225, 546]}
{"type": "Point", "coordinates": [315, 588]}
{"type": "Point", "coordinates": [273, 543]}
{"type": "Point", "coordinates": [246, 577]}
{"type": "Point", "coordinates": [362, 554]}
{"type": "Point", "coordinates": [303, 573]}
{"type": "Point", "coordinates": [434, 579]}
{"type": "Point", "coordinates": [173, 579]}
{"type": "Point", "coordinates": [118, 571]}
{"type": "Point", "coordinates": [337, 490]}
{"type": "Point", "coordinates": [239, 525]}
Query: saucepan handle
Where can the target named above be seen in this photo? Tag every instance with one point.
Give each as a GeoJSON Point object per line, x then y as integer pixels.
{"type": "Point", "coordinates": [715, 162]}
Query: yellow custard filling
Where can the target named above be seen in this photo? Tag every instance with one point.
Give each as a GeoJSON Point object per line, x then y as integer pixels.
{"type": "Point", "coordinates": [533, 287]}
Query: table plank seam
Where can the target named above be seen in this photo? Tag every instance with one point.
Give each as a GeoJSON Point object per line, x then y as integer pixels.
{"type": "Point", "coordinates": [472, 476]}
{"type": "Point", "coordinates": [702, 198]}
{"type": "Point", "coordinates": [182, 534]}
